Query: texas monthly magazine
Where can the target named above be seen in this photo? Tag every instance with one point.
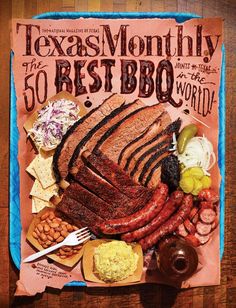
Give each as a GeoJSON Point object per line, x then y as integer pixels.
{"type": "Point", "coordinates": [118, 132]}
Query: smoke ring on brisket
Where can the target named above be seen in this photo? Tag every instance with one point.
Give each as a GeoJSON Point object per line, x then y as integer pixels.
{"type": "Point", "coordinates": [94, 130]}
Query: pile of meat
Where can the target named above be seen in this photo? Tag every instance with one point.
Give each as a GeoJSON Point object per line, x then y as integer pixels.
{"type": "Point", "coordinates": [133, 135]}
{"type": "Point", "coordinates": [104, 197]}
{"type": "Point", "coordinates": [100, 191]}
{"type": "Point", "coordinates": [202, 220]}
{"type": "Point", "coordinates": [113, 158]}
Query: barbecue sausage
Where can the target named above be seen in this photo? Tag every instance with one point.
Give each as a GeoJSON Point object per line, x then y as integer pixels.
{"type": "Point", "coordinates": [202, 228]}
{"type": "Point", "coordinates": [207, 216]}
{"type": "Point", "coordinates": [182, 230]}
{"type": "Point", "coordinates": [170, 225]}
{"type": "Point", "coordinates": [192, 240]}
{"type": "Point", "coordinates": [189, 226]}
{"type": "Point", "coordinates": [167, 210]}
{"type": "Point", "coordinates": [197, 239]}
{"type": "Point", "coordinates": [193, 213]}
{"type": "Point", "coordinates": [139, 218]}
{"type": "Point", "coordinates": [208, 195]}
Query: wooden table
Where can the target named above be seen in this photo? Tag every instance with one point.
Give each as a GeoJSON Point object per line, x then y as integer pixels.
{"type": "Point", "coordinates": [142, 295]}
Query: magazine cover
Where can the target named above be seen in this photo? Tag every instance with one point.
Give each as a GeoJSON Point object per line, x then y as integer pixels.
{"type": "Point", "coordinates": [118, 151]}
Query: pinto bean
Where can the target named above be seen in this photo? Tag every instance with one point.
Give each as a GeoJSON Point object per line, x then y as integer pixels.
{"type": "Point", "coordinates": [51, 232]}
{"type": "Point", "coordinates": [51, 216]}
{"type": "Point", "coordinates": [62, 252]}
{"type": "Point", "coordinates": [64, 233]}
{"type": "Point", "coordinates": [43, 237]}
{"type": "Point", "coordinates": [54, 225]}
{"type": "Point", "coordinates": [66, 248]}
{"type": "Point", "coordinates": [60, 239]}
{"type": "Point", "coordinates": [50, 238]}
{"type": "Point", "coordinates": [40, 227]}
{"type": "Point", "coordinates": [56, 235]}
{"type": "Point", "coordinates": [45, 215]}
{"type": "Point", "coordinates": [35, 235]}
{"type": "Point", "coordinates": [46, 228]}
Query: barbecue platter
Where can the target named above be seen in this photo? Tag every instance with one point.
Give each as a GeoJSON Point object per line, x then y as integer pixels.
{"type": "Point", "coordinates": [125, 170]}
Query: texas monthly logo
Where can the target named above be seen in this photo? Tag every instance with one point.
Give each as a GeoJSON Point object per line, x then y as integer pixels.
{"type": "Point", "coordinates": [143, 61]}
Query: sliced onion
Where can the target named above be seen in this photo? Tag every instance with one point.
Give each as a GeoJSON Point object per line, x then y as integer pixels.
{"type": "Point", "coordinates": [198, 152]}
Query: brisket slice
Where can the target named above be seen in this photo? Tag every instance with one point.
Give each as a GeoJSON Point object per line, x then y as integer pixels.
{"type": "Point", "coordinates": [127, 130]}
{"type": "Point", "coordinates": [79, 214]}
{"type": "Point", "coordinates": [155, 147]}
{"type": "Point", "coordinates": [138, 151]}
{"type": "Point", "coordinates": [88, 199]}
{"type": "Point", "coordinates": [78, 131]}
{"type": "Point", "coordinates": [154, 175]}
{"type": "Point", "coordinates": [90, 140]}
{"type": "Point", "coordinates": [139, 157]}
{"type": "Point", "coordinates": [114, 175]}
{"type": "Point", "coordinates": [149, 133]}
{"type": "Point", "coordinates": [152, 161]}
{"type": "Point", "coordinates": [110, 194]}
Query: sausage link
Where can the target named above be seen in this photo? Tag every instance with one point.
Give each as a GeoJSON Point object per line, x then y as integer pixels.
{"type": "Point", "coordinates": [195, 219]}
{"type": "Point", "coordinates": [206, 205]}
{"type": "Point", "coordinates": [203, 239]}
{"type": "Point", "coordinates": [197, 239]}
{"type": "Point", "coordinates": [193, 212]}
{"type": "Point", "coordinates": [207, 216]}
{"type": "Point", "coordinates": [189, 226]}
{"type": "Point", "coordinates": [215, 223]}
{"type": "Point", "coordinates": [170, 225]}
{"type": "Point", "coordinates": [182, 230]}
{"type": "Point", "coordinates": [202, 228]}
{"type": "Point", "coordinates": [139, 218]}
{"type": "Point", "coordinates": [193, 240]}
{"type": "Point", "coordinates": [208, 195]}
{"type": "Point", "coordinates": [168, 209]}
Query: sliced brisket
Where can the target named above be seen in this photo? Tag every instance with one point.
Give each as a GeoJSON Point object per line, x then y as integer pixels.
{"type": "Point", "coordinates": [137, 142]}
{"type": "Point", "coordinates": [120, 203]}
{"type": "Point", "coordinates": [153, 161]}
{"type": "Point", "coordinates": [136, 145]}
{"type": "Point", "coordinates": [142, 159]}
{"type": "Point", "coordinates": [141, 162]}
{"type": "Point", "coordinates": [79, 130]}
{"type": "Point", "coordinates": [91, 201]}
{"type": "Point", "coordinates": [91, 139]}
{"type": "Point", "coordinates": [114, 175]}
{"type": "Point", "coordinates": [141, 152]}
{"type": "Point", "coordinates": [154, 176]}
{"type": "Point", "coordinates": [122, 133]}
{"type": "Point", "coordinates": [79, 214]}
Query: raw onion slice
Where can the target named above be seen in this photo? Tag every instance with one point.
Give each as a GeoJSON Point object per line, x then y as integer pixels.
{"type": "Point", "coordinates": [198, 152]}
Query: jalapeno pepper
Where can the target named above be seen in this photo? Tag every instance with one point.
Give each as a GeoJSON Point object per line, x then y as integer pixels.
{"type": "Point", "coordinates": [185, 135]}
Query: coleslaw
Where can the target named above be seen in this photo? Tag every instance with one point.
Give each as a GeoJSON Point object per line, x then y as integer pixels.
{"type": "Point", "coordinates": [53, 122]}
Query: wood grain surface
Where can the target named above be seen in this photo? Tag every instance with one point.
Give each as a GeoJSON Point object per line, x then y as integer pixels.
{"type": "Point", "coordinates": [133, 296]}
